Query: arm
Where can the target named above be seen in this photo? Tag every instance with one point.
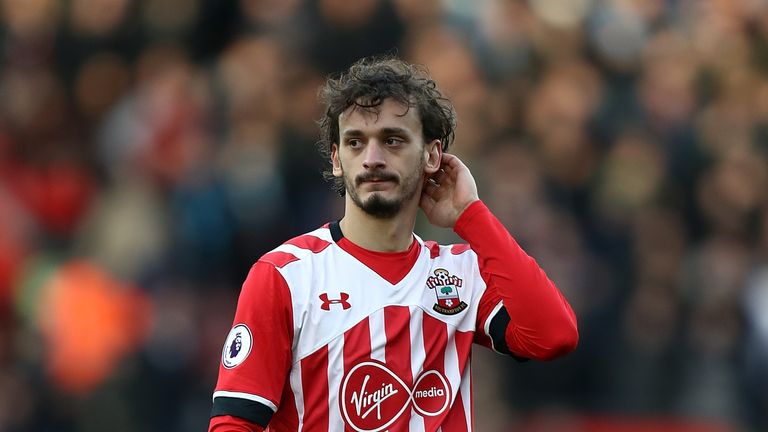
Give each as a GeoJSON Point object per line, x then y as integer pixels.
{"type": "Point", "coordinates": [256, 359]}
{"type": "Point", "coordinates": [539, 323]}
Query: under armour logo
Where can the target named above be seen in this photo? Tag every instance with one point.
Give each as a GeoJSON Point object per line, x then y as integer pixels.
{"type": "Point", "coordinates": [339, 301]}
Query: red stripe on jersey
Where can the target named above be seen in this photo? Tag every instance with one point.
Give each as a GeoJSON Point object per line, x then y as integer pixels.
{"type": "Point", "coordinates": [434, 248]}
{"type": "Point", "coordinates": [456, 420]}
{"type": "Point", "coordinates": [286, 417]}
{"type": "Point", "coordinates": [279, 259]}
{"type": "Point", "coordinates": [435, 341]}
{"type": "Point", "coordinates": [397, 353]}
{"type": "Point", "coordinates": [357, 344]}
{"type": "Point", "coordinates": [314, 385]}
{"type": "Point", "coordinates": [458, 249]}
{"type": "Point", "coordinates": [471, 395]}
{"type": "Point", "coordinates": [398, 350]}
{"type": "Point", "coordinates": [309, 242]}
{"type": "Point", "coordinates": [463, 348]}
{"type": "Point", "coordinates": [357, 348]}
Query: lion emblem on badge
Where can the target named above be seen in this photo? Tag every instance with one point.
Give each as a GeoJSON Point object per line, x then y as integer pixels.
{"type": "Point", "coordinates": [234, 348]}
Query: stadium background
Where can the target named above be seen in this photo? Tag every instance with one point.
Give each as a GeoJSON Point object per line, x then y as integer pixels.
{"type": "Point", "coordinates": [151, 150]}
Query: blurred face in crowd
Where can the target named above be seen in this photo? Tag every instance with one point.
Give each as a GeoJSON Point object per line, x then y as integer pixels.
{"type": "Point", "coordinates": [382, 157]}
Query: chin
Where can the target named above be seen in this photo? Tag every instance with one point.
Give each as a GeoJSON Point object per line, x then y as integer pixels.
{"type": "Point", "coordinates": [381, 208]}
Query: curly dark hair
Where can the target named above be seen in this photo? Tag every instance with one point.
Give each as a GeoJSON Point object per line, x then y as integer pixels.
{"type": "Point", "coordinates": [367, 84]}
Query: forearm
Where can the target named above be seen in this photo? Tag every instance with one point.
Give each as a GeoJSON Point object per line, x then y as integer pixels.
{"type": "Point", "coordinates": [542, 324]}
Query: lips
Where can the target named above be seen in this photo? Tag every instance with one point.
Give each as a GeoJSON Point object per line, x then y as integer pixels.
{"type": "Point", "coordinates": [376, 180]}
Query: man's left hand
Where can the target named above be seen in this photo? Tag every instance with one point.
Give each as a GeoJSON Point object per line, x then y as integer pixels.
{"type": "Point", "coordinates": [448, 192]}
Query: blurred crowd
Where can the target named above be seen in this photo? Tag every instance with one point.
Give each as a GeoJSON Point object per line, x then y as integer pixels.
{"type": "Point", "coordinates": [152, 150]}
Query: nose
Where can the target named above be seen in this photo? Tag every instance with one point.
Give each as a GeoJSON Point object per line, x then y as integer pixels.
{"type": "Point", "coordinates": [373, 157]}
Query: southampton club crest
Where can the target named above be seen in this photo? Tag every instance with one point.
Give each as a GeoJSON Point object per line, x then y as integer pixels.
{"type": "Point", "coordinates": [446, 288]}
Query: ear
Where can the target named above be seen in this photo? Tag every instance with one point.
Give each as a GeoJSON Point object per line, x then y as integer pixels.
{"type": "Point", "coordinates": [433, 154]}
{"type": "Point", "coordinates": [337, 172]}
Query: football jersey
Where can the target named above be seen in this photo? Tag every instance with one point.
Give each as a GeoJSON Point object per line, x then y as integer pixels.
{"type": "Point", "coordinates": [328, 337]}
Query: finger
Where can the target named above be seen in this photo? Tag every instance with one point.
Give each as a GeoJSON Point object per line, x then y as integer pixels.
{"type": "Point", "coordinates": [451, 162]}
{"type": "Point", "coordinates": [427, 203]}
{"type": "Point", "coordinates": [440, 176]}
{"type": "Point", "coordinates": [439, 192]}
{"type": "Point", "coordinates": [450, 170]}
{"type": "Point", "coordinates": [430, 187]}
{"type": "Point", "coordinates": [435, 192]}
{"type": "Point", "coordinates": [448, 178]}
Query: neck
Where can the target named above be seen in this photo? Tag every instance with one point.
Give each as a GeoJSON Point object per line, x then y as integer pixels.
{"type": "Point", "coordinates": [381, 235]}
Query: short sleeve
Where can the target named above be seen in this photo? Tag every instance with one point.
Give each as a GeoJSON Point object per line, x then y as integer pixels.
{"type": "Point", "coordinates": [256, 357]}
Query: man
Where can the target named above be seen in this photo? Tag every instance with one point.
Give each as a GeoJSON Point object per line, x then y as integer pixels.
{"type": "Point", "coordinates": [360, 325]}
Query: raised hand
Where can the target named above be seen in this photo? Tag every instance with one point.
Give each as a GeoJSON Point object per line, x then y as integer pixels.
{"type": "Point", "coordinates": [448, 192]}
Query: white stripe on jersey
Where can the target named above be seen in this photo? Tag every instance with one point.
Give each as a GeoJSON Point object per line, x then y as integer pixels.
{"type": "Point", "coordinates": [378, 335]}
{"type": "Point", "coordinates": [335, 374]}
{"type": "Point", "coordinates": [302, 253]}
{"type": "Point", "coordinates": [298, 392]}
{"type": "Point", "coordinates": [240, 395]}
{"type": "Point", "coordinates": [451, 366]}
{"type": "Point", "coordinates": [466, 394]}
{"type": "Point", "coordinates": [294, 250]}
{"type": "Point", "coordinates": [418, 355]}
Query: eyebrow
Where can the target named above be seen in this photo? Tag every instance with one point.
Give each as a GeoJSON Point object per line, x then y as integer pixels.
{"type": "Point", "coordinates": [395, 131]}
{"type": "Point", "coordinates": [353, 133]}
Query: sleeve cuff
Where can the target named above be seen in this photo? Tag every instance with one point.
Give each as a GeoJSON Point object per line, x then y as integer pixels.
{"type": "Point", "coordinates": [251, 410]}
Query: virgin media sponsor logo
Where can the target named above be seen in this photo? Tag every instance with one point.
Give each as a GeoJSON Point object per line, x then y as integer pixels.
{"type": "Point", "coordinates": [373, 397]}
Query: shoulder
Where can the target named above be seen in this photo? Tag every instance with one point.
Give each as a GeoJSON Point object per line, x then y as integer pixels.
{"type": "Point", "coordinates": [304, 248]}
{"type": "Point", "coordinates": [459, 250]}
{"type": "Point", "coordinates": [284, 268]}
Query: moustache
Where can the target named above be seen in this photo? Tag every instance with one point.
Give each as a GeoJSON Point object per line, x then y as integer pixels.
{"type": "Point", "coordinates": [375, 176]}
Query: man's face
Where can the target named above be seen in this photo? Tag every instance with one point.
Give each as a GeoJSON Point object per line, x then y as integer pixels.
{"type": "Point", "coordinates": [382, 157]}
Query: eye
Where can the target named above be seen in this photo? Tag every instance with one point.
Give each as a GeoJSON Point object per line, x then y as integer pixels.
{"type": "Point", "coordinates": [354, 143]}
{"type": "Point", "coordinates": [394, 141]}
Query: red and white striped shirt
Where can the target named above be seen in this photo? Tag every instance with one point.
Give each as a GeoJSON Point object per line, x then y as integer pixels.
{"type": "Point", "coordinates": [331, 337]}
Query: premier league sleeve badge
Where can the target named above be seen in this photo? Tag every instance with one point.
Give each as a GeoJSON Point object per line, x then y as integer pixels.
{"type": "Point", "coordinates": [237, 347]}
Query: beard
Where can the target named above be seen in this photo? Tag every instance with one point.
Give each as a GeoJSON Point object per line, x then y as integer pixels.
{"type": "Point", "coordinates": [377, 205]}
